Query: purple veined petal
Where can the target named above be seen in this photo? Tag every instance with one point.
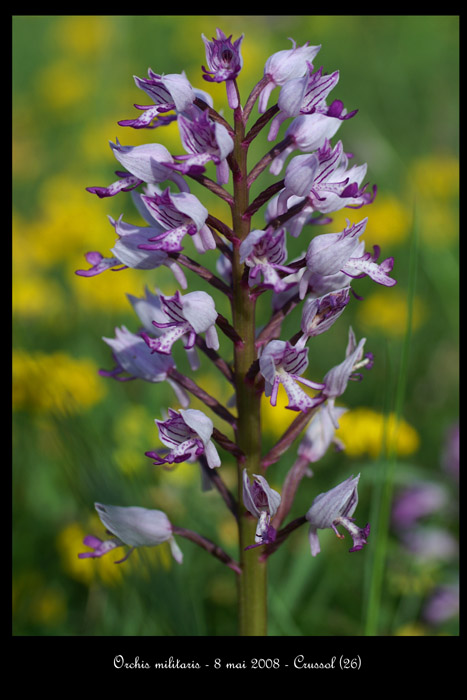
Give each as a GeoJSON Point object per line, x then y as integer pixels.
{"type": "Point", "coordinates": [199, 423]}
{"type": "Point", "coordinates": [333, 507]}
{"type": "Point", "coordinates": [145, 162]}
{"type": "Point", "coordinates": [199, 310]}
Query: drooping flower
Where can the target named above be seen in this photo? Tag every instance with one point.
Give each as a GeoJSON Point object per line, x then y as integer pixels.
{"type": "Point", "coordinates": [189, 314]}
{"type": "Point", "coordinates": [187, 434]}
{"type": "Point", "coordinates": [133, 357]}
{"type": "Point", "coordinates": [127, 252]}
{"type": "Point", "coordinates": [334, 508]}
{"type": "Point", "coordinates": [177, 215]}
{"type": "Point", "coordinates": [264, 252]}
{"type": "Point", "coordinates": [262, 502]}
{"type": "Point", "coordinates": [132, 526]}
{"type": "Point", "coordinates": [283, 66]}
{"type": "Point", "coordinates": [281, 363]}
{"type": "Point", "coordinates": [224, 62]}
{"type": "Point", "coordinates": [337, 378]}
{"type": "Point", "coordinates": [320, 433]}
{"type": "Point", "coordinates": [168, 92]}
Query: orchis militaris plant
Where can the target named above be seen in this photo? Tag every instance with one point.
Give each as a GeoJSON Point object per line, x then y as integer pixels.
{"type": "Point", "coordinates": [252, 261]}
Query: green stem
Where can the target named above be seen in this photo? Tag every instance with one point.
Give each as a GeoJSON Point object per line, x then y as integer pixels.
{"type": "Point", "coordinates": [252, 591]}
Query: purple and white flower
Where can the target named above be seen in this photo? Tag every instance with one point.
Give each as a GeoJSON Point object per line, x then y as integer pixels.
{"type": "Point", "coordinates": [187, 434]}
{"type": "Point", "coordinates": [320, 313]}
{"type": "Point", "coordinates": [281, 363]}
{"type": "Point", "coordinates": [225, 62]}
{"type": "Point", "coordinates": [283, 66]}
{"type": "Point", "coordinates": [334, 508]}
{"type": "Point", "coordinates": [168, 92]}
{"type": "Point", "coordinates": [127, 252]}
{"type": "Point", "coordinates": [262, 502]}
{"type": "Point", "coordinates": [320, 433]}
{"type": "Point", "coordinates": [307, 95]}
{"type": "Point", "coordinates": [189, 314]}
{"type": "Point", "coordinates": [177, 214]}
{"type": "Point", "coordinates": [148, 163]}
{"type": "Point", "coordinates": [133, 357]}
{"type": "Point", "coordinates": [132, 526]}
{"type": "Point", "coordinates": [150, 308]}
{"type": "Point", "coordinates": [331, 253]}
{"type": "Point", "coordinates": [306, 133]}
{"type": "Point", "coordinates": [264, 252]}
{"type": "Point", "coordinates": [204, 140]}
{"type": "Point", "coordinates": [337, 378]}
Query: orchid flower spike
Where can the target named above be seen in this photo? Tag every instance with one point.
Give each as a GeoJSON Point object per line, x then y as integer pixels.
{"type": "Point", "coordinates": [187, 434]}
{"type": "Point", "coordinates": [132, 526]}
{"type": "Point", "coordinates": [334, 508]}
{"type": "Point", "coordinates": [262, 502]}
{"type": "Point", "coordinates": [283, 66]}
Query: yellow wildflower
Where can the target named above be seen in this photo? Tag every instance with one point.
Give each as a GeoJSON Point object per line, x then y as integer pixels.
{"type": "Point", "coordinates": [388, 312]}
{"type": "Point", "coordinates": [365, 431]}
{"type": "Point", "coordinates": [54, 383]}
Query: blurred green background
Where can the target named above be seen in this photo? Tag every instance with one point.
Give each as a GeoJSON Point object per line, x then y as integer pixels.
{"type": "Point", "coordinates": [80, 438]}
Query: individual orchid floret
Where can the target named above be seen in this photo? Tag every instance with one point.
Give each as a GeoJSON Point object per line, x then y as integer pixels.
{"type": "Point", "coordinates": [262, 502]}
{"type": "Point", "coordinates": [283, 66]}
{"type": "Point", "coordinates": [150, 308]}
{"type": "Point", "coordinates": [337, 378]}
{"type": "Point", "coordinates": [334, 508]}
{"type": "Point", "coordinates": [224, 62]}
{"type": "Point", "coordinates": [319, 314]}
{"type": "Point", "coordinates": [148, 163]}
{"type": "Point", "coordinates": [204, 140]}
{"type": "Point", "coordinates": [178, 214]}
{"type": "Point", "coordinates": [307, 95]}
{"type": "Point", "coordinates": [134, 359]}
{"type": "Point", "coordinates": [331, 253]}
{"type": "Point", "coordinates": [189, 314]}
{"type": "Point", "coordinates": [281, 363]}
{"type": "Point", "coordinates": [306, 133]}
{"type": "Point", "coordinates": [187, 434]}
{"type": "Point", "coordinates": [264, 252]}
{"type": "Point", "coordinates": [324, 180]}
{"type": "Point", "coordinates": [132, 526]}
{"type": "Point", "coordinates": [127, 252]}
{"type": "Point", "coordinates": [168, 92]}
{"type": "Point", "coordinates": [320, 433]}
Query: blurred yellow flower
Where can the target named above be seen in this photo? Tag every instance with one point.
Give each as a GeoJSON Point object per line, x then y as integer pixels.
{"type": "Point", "coordinates": [84, 35]}
{"type": "Point", "coordinates": [133, 433]}
{"type": "Point", "coordinates": [436, 177]}
{"type": "Point", "coordinates": [389, 222]}
{"type": "Point", "coordinates": [34, 295]}
{"type": "Point", "coordinates": [367, 432]}
{"type": "Point", "coordinates": [63, 85]}
{"type": "Point", "coordinates": [49, 607]}
{"type": "Point", "coordinates": [54, 383]}
{"type": "Point", "coordinates": [386, 310]}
